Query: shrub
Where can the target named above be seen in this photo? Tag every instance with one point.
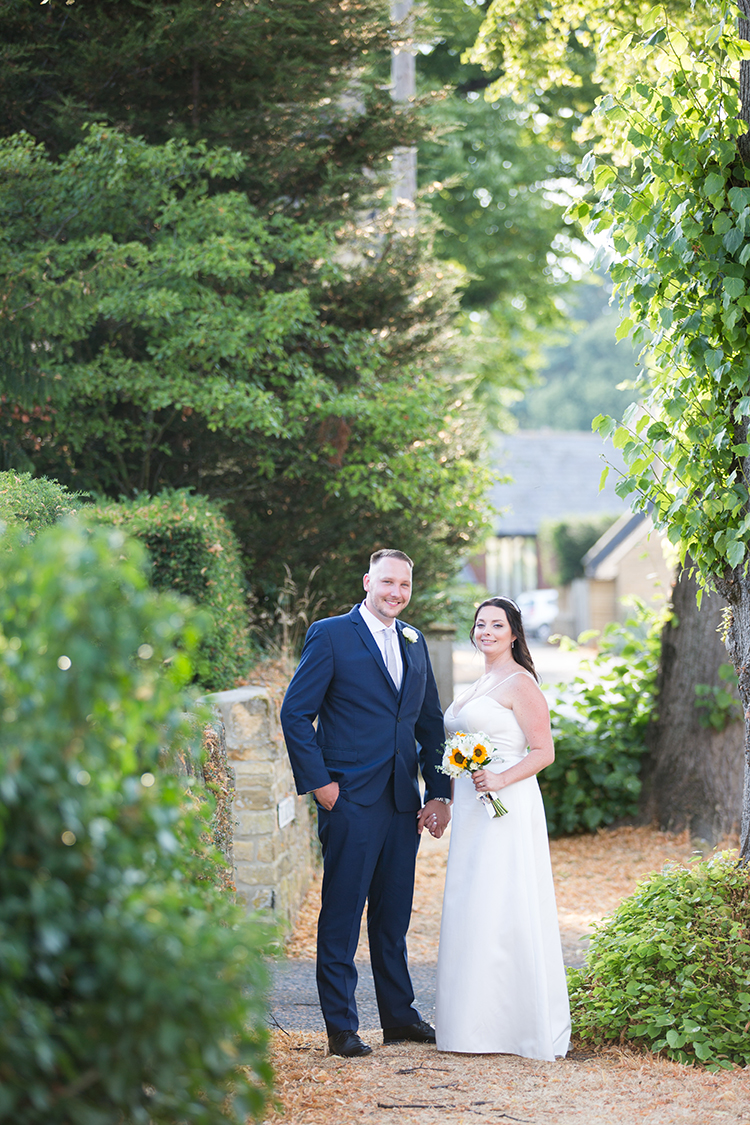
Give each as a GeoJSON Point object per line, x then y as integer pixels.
{"type": "Point", "coordinates": [563, 544]}
{"type": "Point", "coordinates": [34, 501]}
{"type": "Point", "coordinates": [599, 726]}
{"type": "Point", "coordinates": [131, 988]}
{"type": "Point", "coordinates": [194, 551]}
{"type": "Point", "coordinates": [671, 968]}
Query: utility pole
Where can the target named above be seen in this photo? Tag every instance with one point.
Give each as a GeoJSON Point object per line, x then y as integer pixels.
{"type": "Point", "coordinates": [403, 89]}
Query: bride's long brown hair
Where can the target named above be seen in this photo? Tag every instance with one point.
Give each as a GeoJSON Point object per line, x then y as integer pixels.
{"type": "Point", "coordinates": [519, 650]}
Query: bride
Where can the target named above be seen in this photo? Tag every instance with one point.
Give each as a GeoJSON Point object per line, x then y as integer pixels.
{"type": "Point", "coordinates": [500, 978]}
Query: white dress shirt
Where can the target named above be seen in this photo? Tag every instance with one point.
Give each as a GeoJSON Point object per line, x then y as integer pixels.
{"type": "Point", "coordinates": [386, 638]}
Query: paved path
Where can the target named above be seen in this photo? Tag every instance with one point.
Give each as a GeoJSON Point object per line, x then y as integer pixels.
{"type": "Point", "coordinates": [294, 1000]}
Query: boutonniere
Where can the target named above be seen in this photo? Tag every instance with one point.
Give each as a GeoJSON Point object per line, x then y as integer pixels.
{"type": "Point", "coordinates": [410, 635]}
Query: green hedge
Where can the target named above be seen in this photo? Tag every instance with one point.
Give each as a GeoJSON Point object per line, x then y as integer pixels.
{"type": "Point", "coordinates": [132, 989]}
{"type": "Point", "coordinates": [563, 543]}
{"type": "Point", "coordinates": [34, 501]}
{"type": "Point", "coordinates": [194, 551]}
{"type": "Point", "coordinates": [598, 728]}
{"type": "Point", "coordinates": [192, 548]}
{"type": "Point", "coordinates": [670, 970]}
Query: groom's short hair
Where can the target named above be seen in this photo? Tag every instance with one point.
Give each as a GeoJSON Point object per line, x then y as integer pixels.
{"type": "Point", "coordinates": [389, 554]}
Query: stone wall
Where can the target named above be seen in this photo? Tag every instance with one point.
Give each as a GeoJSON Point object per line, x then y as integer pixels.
{"type": "Point", "coordinates": [275, 848]}
{"type": "Point", "coordinates": [440, 637]}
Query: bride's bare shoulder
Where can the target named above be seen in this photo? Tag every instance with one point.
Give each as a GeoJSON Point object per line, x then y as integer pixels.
{"type": "Point", "coordinates": [519, 684]}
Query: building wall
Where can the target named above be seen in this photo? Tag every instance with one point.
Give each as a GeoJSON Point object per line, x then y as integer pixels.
{"type": "Point", "coordinates": [644, 572]}
{"type": "Point", "coordinates": [602, 603]}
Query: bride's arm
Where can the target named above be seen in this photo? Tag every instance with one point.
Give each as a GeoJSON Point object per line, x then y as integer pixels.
{"type": "Point", "coordinates": [530, 708]}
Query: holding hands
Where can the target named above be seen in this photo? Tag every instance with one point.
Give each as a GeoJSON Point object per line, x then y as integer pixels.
{"type": "Point", "coordinates": [435, 817]}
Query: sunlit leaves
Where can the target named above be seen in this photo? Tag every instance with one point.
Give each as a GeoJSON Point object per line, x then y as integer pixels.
{"type": "Point", "coordinates": [599, 728]}
{"type": "Point", "coordinates": [680, 230]}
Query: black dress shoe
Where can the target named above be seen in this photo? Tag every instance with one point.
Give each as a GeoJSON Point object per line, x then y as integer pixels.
{"type": "Point", "coordinates": [348, 1044]}
{"type": "Point", "coordinates": [420, 1032]}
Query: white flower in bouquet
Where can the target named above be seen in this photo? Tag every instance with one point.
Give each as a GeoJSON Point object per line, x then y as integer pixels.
{"type": "Point", "coordinates": [467, 753]}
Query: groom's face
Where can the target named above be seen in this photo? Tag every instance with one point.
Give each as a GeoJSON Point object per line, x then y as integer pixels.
{"type": "Point", "coordinates": [388, 586]}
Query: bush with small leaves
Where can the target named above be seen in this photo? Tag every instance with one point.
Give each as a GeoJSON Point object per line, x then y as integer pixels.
{"type": "Point", "coordinates": [599, 726]}
{"type": "Point", "coordinates": [670, 970]}
{"type": "Point", "coordinates": [193, 550]}
{"type": "Point", "coordinates": [132, 990]}
{"type": "Point", "coordinates": [34, 501]}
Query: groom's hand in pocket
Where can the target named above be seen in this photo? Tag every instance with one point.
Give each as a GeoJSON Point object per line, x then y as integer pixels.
{"type": "Point", "coordinates": [435, 817]}
{"type": "Point", "coordinates": [327, 795]}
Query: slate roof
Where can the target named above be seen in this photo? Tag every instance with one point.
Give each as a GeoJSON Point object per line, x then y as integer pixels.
{"type": "Point", "coordinates": [555, 474]}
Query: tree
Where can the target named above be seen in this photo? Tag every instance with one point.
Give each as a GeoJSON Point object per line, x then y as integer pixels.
{"type": "Point", "coordinates": [585, 372]}
{"type": "Point", "coordinates": [487, 175]}
{"type": "Point", "coordinates": [296, 87]}
{"type": "Point", "coordinates": [234, 321]}
{"type": "Point", "coordinates": [693, 768]}
{"type": "Point", "coordinates": [678, 218]}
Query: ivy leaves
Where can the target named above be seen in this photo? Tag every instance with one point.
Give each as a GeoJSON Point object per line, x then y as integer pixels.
{"type": "Point", "coordinates": [680, 221]}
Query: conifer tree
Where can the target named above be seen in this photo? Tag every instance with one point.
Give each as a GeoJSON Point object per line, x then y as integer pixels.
{"type": "Point", "coordinates": [256, 326]}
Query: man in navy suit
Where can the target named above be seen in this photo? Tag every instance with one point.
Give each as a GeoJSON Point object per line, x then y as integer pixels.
{"type": "Point", "coordinates": [368, 681]}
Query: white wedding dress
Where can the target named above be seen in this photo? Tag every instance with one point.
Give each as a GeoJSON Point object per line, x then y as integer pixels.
{"type": "Point", "coordinates": [501, 983]}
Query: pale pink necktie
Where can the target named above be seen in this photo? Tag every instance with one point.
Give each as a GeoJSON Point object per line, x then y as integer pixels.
{"type": "Point", "coordinates": [391, 660]}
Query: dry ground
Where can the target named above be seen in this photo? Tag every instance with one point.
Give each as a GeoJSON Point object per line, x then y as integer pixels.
{"type": "Point", "coordinates": [412, 1085]}
{"type": "Point", "coordinates": [409, 1085]}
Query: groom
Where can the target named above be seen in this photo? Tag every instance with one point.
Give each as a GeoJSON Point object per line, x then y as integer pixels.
{"type": "Point", "coordinates": [368, 681]}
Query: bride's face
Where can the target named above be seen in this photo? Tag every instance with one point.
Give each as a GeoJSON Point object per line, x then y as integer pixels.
{"type": "Point", "coordinates": [492, 633]}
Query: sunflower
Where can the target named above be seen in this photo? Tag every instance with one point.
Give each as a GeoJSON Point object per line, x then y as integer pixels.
{"type": "Point", "coordinates": [457, 759]}
{"type": "Point", "coordinates": [479, 754]}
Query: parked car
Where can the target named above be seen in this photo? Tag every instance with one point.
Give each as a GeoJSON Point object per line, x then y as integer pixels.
{"type": "Point", "coordinates": [539, 610]}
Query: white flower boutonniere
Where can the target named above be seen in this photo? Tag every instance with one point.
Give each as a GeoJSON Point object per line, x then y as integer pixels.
{"type": "Point", "coordinates": [410, 635]}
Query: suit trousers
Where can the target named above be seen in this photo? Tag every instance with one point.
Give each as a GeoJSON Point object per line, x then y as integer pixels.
{"type": "Point", "coordinates": [369, 853]}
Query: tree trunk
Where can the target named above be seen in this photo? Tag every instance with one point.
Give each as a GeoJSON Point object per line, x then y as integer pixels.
{"type": "Point", "coordinates": [692, 775]}
{"type": "Point", "coordinates": [736, 589]}
{"type": "Point", "coordinates": [743, 27]}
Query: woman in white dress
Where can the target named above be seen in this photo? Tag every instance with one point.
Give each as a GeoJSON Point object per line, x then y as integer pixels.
{"type": "Point", "coordinates": [501, 983]}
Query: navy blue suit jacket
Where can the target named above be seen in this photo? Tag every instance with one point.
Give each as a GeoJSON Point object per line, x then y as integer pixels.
{"type": "Point", "coordinates": [367, 731]}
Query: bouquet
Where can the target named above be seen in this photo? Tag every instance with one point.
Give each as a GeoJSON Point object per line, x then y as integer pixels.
{"type": "Point", "coordinates": [467, 753]}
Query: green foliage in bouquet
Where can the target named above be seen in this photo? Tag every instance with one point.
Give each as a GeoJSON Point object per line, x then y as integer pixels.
{"type": "Point", "coordinates": [131, 987]}
{"type": "Point", "coordinates": [194, 551]}
{"type": "Point", "coordinates": [34, 501]}
{"type": "Point", "coordinates": [670, 970]}
{"type": "Point", "coordinates": [599, 731]}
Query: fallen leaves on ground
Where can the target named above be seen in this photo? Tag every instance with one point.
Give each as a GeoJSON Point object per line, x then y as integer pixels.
{"type": "Point", "coordinates": [592, 874]}
{"type": "Point", "coordinates": [407, 1084]}
{"type": "Point", "coordinates": [417, 1085]}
